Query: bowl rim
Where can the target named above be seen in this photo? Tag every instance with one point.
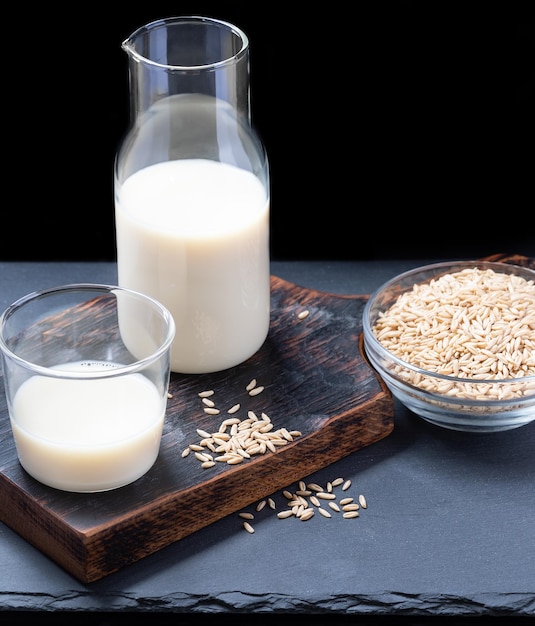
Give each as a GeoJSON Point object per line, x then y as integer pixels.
{"type": "Point", "coordinates": [378, 347]}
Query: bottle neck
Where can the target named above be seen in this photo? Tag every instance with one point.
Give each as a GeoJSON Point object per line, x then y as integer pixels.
{"type": "Point", "coordinates": [149, 84]}
{"type": "Point", "coordinates": [189, 55]}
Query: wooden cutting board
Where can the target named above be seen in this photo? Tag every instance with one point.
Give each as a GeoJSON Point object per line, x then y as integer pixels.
{"type": "Point", "coordinates": [316, 381]}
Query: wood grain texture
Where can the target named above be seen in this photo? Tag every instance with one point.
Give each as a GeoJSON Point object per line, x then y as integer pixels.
{"type": "Point", "coordinates": [316, 380]}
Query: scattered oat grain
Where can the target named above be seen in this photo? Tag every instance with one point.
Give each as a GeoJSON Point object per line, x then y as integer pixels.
{"type": "Point", "coordinates": [299, 502]}
{"type": "Point", "coordinates": [235, 460]}
{"type": "Point", "coordinates": [206, 394]}
{"type": "Point", "coordinates": [306, 515]}
{"type": "Point", "coordinates": [325, 495]}
{"type": "Point", "coordinates": [203, 433]}
{"type": "Point", "coordinates": [211, 410]}
{"type": "Point", "coordinates": [230, 421]}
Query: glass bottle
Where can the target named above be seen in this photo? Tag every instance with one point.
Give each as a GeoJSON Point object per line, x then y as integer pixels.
{"type": "Point", "coordinates": [192, 191]}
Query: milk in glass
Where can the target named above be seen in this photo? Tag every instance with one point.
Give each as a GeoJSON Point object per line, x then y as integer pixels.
{"type": "Point", "coordinates": [194, 235]}
{"type": "Point", "coordinates": [87, 435]}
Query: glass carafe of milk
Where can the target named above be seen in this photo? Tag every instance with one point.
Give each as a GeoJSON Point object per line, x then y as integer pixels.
{"type": "Point", "coordinates": [192, 191]}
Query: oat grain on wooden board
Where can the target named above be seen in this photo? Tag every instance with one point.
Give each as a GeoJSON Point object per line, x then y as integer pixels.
{"type": "Point", "coordinates": [179, 497]}
{"type": "Point", "coordinates": [248, 437]}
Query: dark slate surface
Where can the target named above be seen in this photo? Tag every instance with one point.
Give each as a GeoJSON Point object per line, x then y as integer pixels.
{"type": "Point", "coordinates": [448, 531]}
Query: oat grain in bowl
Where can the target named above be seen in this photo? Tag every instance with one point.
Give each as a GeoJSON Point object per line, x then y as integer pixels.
{"type": "Point", "coordinates": [455, 342]}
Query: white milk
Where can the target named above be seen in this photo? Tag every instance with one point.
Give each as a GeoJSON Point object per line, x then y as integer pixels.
{"type": "Point", "coordinates": [87, 435]}
{"type": "Point", "coordinates": [194, 234]}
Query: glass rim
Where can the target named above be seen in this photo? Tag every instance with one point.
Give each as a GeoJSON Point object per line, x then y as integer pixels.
{"type": "Point", "coordinates": [103, 288]}
{"type": "Point", "coordinates": [129, 47]}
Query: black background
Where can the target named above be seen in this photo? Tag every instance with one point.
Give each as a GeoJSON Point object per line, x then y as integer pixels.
{"type": "Point", "coordinates": [393, 129]}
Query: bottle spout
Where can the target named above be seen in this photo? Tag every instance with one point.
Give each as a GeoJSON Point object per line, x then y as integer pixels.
{"type": "Point", "coordinates": [128, 45]}
{"type": "Point", "coordinates": [137, 40]}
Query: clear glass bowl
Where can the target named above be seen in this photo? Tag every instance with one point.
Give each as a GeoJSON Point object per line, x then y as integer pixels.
{"type": "Point", "coordinates": [459, 402]}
